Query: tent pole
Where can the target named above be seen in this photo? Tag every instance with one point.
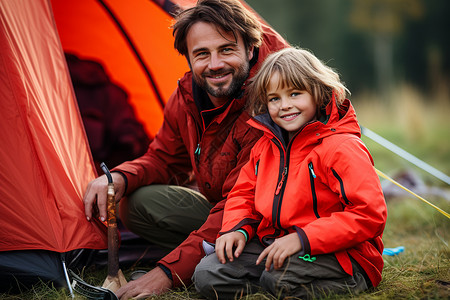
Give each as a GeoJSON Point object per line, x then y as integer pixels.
{"type": "Point", "coordinates": [66, 275]}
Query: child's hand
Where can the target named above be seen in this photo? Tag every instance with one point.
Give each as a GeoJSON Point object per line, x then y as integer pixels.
{"type": "Point", "coordinates": [280, 249]}
{"type": "Point", "coordinates": [225, 244]}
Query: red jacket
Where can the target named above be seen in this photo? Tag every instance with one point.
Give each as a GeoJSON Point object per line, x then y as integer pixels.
{"type": "Point", "coordinates": [215, 154]}
{"type": "Point", "coordinates": [322, 185]}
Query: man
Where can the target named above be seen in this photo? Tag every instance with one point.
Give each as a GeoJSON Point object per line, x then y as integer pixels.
{"type": "Point", "coordinates": [204, 132]}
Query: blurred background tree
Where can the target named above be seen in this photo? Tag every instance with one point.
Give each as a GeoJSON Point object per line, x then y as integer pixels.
{"type": "Point", "coordinates": [382, 21]}
{"type": "Point", "coordinates": [374, 44]}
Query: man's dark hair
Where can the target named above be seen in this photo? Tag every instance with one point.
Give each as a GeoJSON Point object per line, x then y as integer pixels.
{"type": "Point", "coordinates": [228, 15]}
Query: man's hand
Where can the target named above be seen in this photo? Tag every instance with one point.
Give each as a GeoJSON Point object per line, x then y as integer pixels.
{"type": "Point", "coordinates": [154, 282]}
{"type": "Point", "coordinates": [96, 194]}
{"type": "Point", "coordinates": [225, 244]}
{"type": "Point", "coordinates": [279, 250]}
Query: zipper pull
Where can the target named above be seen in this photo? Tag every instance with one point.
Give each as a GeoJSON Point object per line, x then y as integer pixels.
{"type": "Point", "coordinates": [197, 153]}
{"type": "Point", "coordinates": [310, 166]}
{"type": "Point", "coordinates": [280, 184]}
{"type": "Point", "coordinates": [256, 168]}
{"type": "Point", "coordinates": [307, 257]}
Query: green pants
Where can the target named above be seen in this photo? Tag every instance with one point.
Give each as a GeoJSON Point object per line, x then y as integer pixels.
{"type": "Point", "coordinates": [164, 214]}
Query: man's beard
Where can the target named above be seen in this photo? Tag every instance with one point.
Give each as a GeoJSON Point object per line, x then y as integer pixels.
{"type": "Point", "coordinates": [239, 77]}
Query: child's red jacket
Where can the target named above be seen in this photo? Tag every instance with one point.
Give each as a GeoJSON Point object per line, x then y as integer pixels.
{"type": "Point", "coordinates": [321, 185]}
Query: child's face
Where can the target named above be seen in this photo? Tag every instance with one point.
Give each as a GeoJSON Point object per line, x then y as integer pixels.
{"type": "Point", "coordinates": [289, 107]}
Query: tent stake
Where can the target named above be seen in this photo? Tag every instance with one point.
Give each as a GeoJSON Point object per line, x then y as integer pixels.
{"type": "Point", "coordinates": [115, 278]}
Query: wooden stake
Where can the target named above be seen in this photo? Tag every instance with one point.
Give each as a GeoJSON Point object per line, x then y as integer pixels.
{"type": "Point", "coordinates": [115, 278]}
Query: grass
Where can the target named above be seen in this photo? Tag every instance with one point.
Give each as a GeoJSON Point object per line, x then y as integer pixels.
{"type": "Point", "coordinates": [422, 271]}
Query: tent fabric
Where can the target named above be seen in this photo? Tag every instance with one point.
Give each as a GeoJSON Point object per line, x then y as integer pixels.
{"type": "Point", "coordinates": [45, 163]}
{"type": "Point", "coordinates": [24, 268]}
{"type": "Point", "coordinates": [134, 43]}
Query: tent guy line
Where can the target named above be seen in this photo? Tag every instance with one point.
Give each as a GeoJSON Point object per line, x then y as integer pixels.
{"type": "Point", "coordinates": [404, 154]}
{"type": "Point", "coordinates": [381, 174]}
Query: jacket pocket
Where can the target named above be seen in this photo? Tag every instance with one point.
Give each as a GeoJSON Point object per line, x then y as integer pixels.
{"type": "Point", "coordinates": [341, 184]}
{"type": "Point", "coordinates": [312, 176]}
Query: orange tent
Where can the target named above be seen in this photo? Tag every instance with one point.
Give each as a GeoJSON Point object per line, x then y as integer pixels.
{"type": "Point", "coordinates": [45, 160]}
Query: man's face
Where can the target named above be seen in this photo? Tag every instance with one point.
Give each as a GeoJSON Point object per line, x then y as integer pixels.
{"type": "Point", "coordinates": [219, 62]}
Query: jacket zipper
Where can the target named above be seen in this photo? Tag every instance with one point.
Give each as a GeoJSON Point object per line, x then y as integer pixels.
{"type": "Point", "coordinates": [278, 197]}
{"type": "Point", "coordinates": [283, 178]}
{"type": "Point", "coordinates": [276, 206]}
{"type": "Point", "coordinates": [312, 176]}
{"type": "Point", "coordinates": [201, 134]}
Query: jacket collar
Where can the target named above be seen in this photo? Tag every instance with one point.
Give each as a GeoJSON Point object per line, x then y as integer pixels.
{"type": "Point", "coordinates": [270, 127]}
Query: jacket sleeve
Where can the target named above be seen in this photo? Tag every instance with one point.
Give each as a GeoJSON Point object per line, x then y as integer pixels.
{"type": "Point", "coordinates": [167, 159]}
{"type": "Point", "coordinates": [240, 210]}
{"type": "Point", "coordinates": [350, 174]}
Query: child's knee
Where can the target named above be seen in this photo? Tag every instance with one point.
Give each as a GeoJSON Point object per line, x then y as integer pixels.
{"type": "Point", "coordinates": [272, 284]}
{"type": "Point", "coordinates": [202, 285]}
{"type": "Point", "coordinates": [203, 275]}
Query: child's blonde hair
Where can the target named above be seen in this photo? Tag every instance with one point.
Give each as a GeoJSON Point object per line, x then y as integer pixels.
{"type": "Point", "coordinates": [298, 68]}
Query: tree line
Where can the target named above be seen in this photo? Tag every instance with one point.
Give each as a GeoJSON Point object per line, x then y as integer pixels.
{"type": "Point", "coordinates": [374, 44]}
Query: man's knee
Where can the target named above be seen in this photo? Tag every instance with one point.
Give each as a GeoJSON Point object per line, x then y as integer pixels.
{"type": "Point", "coordinates": [130, 206]}
{"type": "Point", "coordinates": [144, 201]}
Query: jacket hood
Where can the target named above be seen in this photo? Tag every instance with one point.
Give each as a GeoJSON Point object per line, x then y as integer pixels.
{"type": "Point", "coordinates": [337, 120]}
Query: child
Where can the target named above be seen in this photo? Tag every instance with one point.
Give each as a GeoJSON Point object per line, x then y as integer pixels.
{"type": "Point", "coordinates": [306, 214]}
